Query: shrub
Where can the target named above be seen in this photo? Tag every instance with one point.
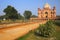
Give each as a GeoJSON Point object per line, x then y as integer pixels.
{"type": "Point", "coordinates": [46, 30]}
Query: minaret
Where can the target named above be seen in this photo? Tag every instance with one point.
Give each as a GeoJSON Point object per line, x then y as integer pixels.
{"type": "Point", "coordinates": [54, 12]}
{"type": "Point", "coordinates": [54, 8]}
{"type": "Point", "coordinates": [39, 13]}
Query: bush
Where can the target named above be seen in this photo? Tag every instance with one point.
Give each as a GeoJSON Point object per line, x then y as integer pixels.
{"type": "Point", "coordinates": [46, 30]}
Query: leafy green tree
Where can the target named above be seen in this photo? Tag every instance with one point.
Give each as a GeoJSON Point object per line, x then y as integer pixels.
{"type": "Point", "coordinates": [2, 17]}
{"type": "Point", "coordinates": [27, 14]}
{"type": "Point", "coordinates": [20, 16]}
{"type": "Point", "coordinates": [11, 12]}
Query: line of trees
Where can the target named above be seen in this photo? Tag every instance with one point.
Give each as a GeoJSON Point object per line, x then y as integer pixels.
{"type": "Point", "coordinates": [12, 13]}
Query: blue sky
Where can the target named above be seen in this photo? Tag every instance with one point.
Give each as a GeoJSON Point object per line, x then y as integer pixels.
{"type": "Point", "coordinates": [32, 5]}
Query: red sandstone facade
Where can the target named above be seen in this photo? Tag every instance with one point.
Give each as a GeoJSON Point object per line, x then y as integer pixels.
{"type": "Point", "coordinates": [47, 12]}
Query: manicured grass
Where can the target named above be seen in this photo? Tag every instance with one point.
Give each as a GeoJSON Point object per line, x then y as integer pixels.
{"type": "Point", "coordinates": [58, 33]}
{"type": "Point", "coordinates": [25, 37]}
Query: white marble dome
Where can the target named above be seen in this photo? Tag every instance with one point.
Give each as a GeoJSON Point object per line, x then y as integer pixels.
{"type": "Point", "coordinates": [47, 6]}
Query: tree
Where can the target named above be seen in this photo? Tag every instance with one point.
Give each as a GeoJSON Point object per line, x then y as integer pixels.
{"type": "Point", "coordinates": [27, 14]}
{"type": "Point", "coordinates": [20, 16]}
{"type": "Point", "coordinates": [33, 16]}
{"type": "Point", "coordinates": [1, 17]}
{"type": "Point", "coordinates": [11, 12]}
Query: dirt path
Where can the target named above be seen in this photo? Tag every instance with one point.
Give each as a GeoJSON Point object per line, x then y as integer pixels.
{"type": "Point", "coordinates": [11, 33]}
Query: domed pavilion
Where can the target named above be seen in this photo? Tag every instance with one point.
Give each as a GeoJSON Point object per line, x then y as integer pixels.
{"type": "Point", "coordinates": [47, 12]}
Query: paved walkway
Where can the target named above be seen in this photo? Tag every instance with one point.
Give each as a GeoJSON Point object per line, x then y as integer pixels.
{"type": "Point", "coordinates": [17, 30]}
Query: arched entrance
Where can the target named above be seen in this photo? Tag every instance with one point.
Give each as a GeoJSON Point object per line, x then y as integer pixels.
{"type": "Point", "coordinates": [46, 13]}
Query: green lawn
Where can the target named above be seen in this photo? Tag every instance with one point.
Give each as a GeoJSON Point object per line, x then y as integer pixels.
{"type": "Point", "coordinates": [58, 33]}
{"type": "Point", "coordinates": [25, 37]}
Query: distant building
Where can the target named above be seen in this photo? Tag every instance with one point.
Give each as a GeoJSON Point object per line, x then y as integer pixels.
{"type": "Point", "coordinates": [46, 12]}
